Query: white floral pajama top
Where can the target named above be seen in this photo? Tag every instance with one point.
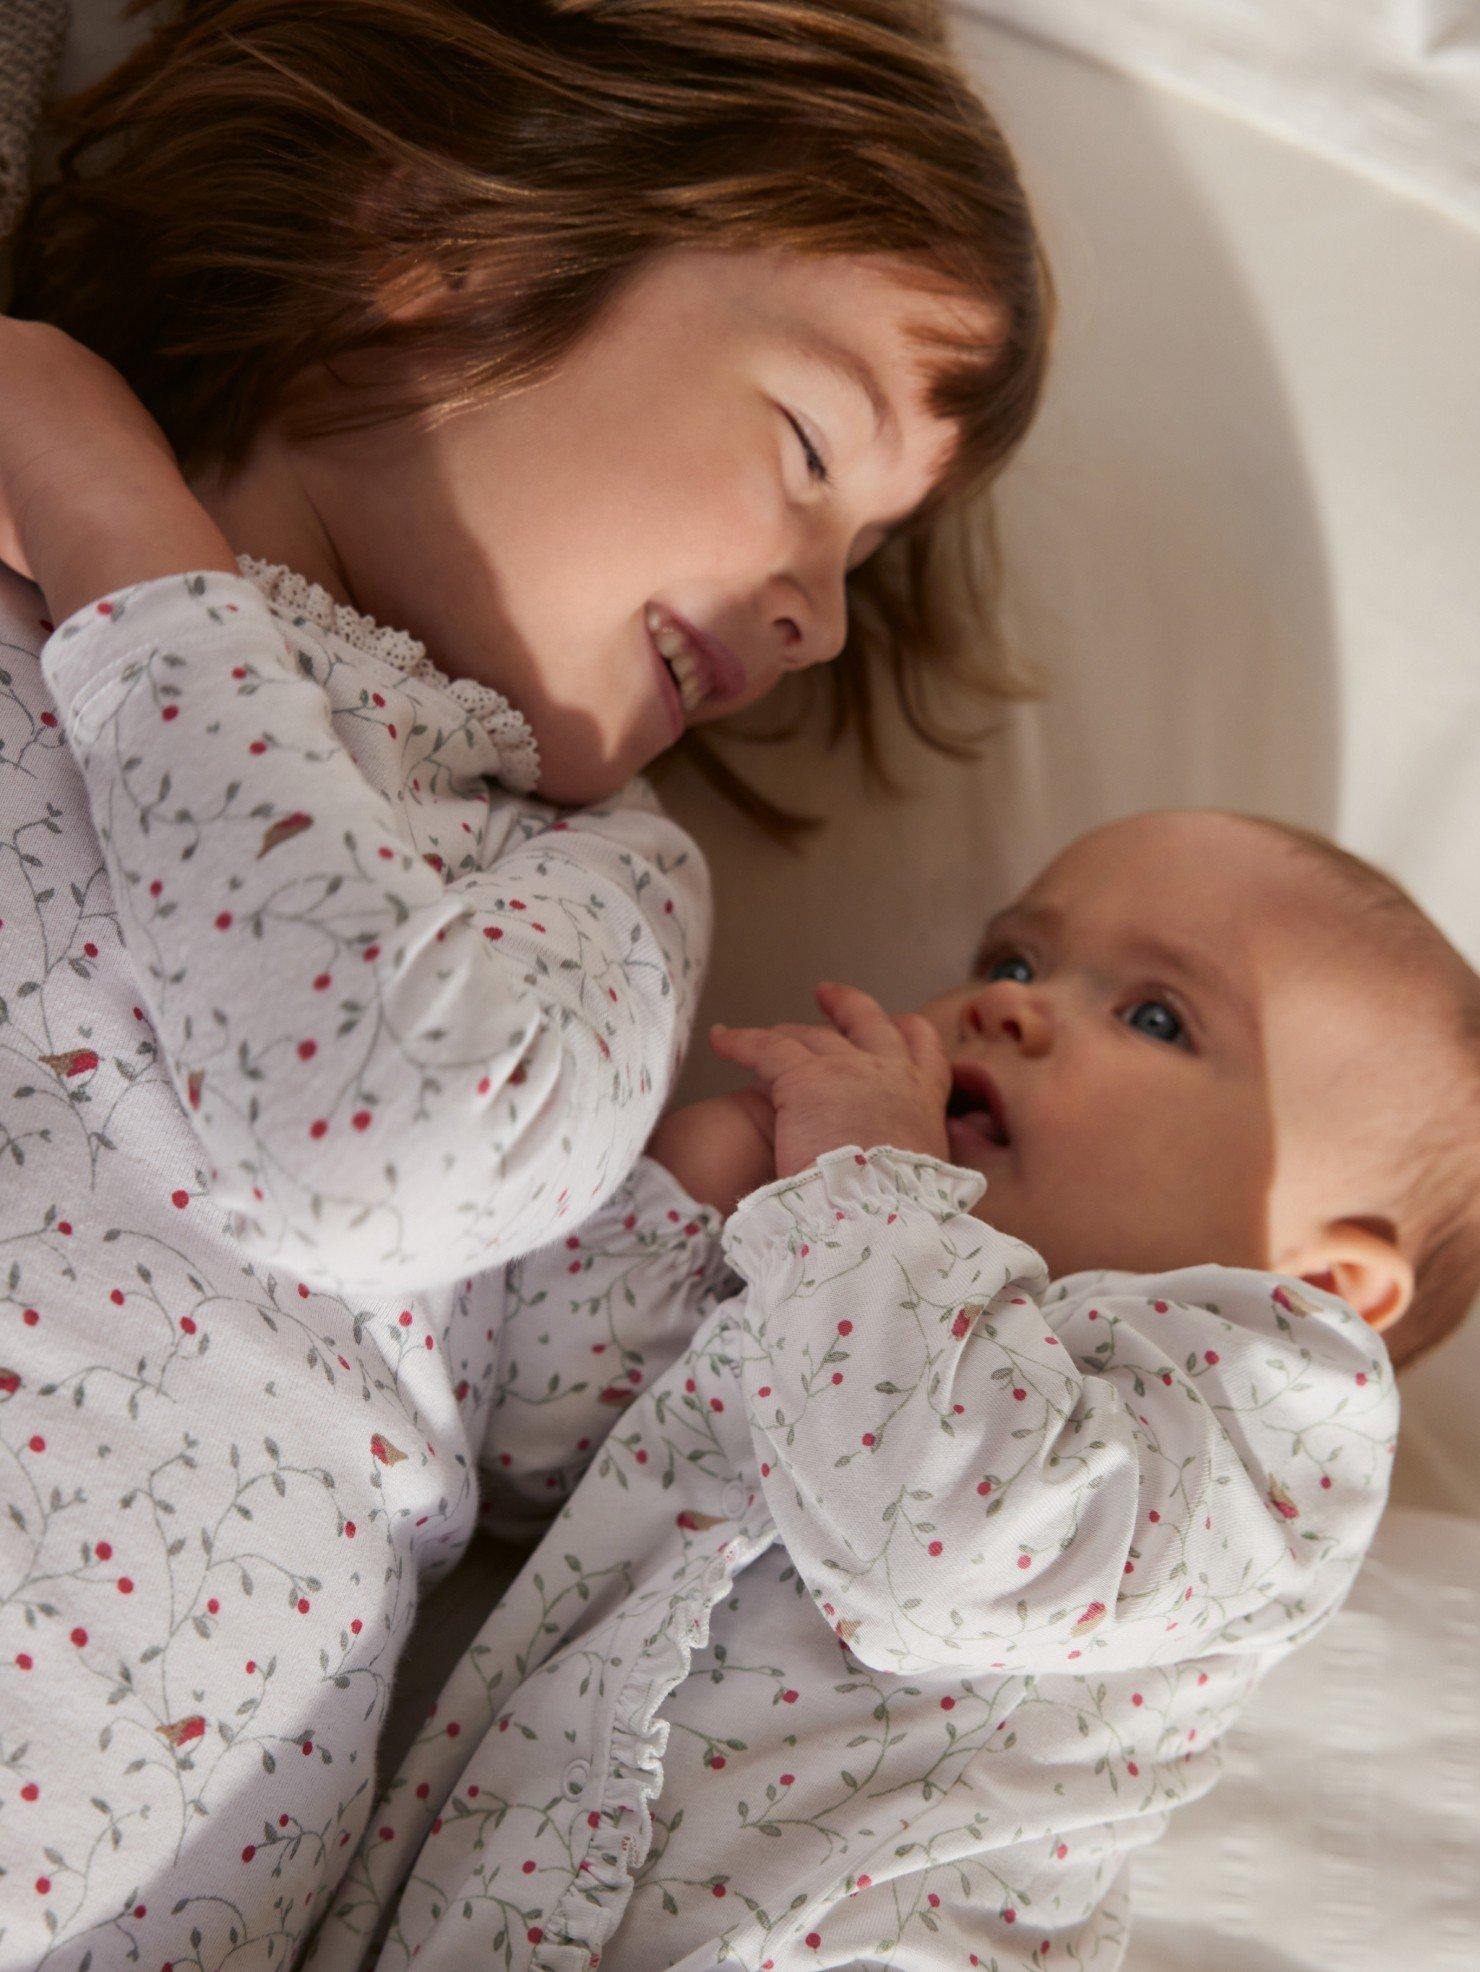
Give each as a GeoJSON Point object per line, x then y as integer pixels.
{"type": "Point", "coordinates": [306, 1021]}
{"type": "Point", "coordinates": [904, 1602]}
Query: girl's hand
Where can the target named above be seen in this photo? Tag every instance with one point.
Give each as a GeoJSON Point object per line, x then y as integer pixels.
{"type": "Point", "coordinates": [866, 1079]}
{"type": "Point", "coordinates": [720, 1149]}
{"type": "Point", "coordinates": [91, 497]}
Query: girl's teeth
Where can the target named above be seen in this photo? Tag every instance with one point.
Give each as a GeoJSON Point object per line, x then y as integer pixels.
{"type": "Point", "coordinates": [673, 647]}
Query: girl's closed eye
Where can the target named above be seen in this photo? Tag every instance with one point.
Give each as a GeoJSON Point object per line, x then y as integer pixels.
{"type": "Point", "coordinates": [816, 467]}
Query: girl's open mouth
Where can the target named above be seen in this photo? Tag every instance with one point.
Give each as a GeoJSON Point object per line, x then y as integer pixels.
{"type": "Point", "coordinates": [703, 673]}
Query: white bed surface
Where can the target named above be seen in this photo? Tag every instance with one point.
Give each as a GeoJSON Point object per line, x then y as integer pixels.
{"type": "Point", "coordinates": [1391, 87]}
{"type": "Point", "coordinates": [1343, 1835]}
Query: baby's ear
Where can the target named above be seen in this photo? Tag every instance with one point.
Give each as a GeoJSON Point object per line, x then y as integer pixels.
{"type": "Point", "coordinates": [1362, 1263]}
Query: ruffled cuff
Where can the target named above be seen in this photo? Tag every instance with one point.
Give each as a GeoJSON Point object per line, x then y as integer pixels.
{"type": "Point", "coordinates": [795, 1217]}
{"type": "Point", "coordinates": [206, 607]}
{"type": "Point", "coordinates": [659, 1201]}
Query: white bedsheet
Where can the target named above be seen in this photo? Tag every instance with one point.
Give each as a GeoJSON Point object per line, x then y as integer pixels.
{"type": "Point", "coordinates": [1390, 87]}
{"type": "Point", "coordinates": [1342, 1837]}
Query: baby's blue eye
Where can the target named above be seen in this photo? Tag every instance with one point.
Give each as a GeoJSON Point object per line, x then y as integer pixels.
{"type": "Point", "coordinates": [1156, 1020]}
{"type": "Point", "coordinates": [1014, 966]}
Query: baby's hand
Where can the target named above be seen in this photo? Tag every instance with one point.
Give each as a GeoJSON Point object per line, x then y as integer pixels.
{"type": "Point", "coordinates": [867, 1079]}
{"type": "Point", "coordinates": [91, 496]}
{"type": "Point", "coordinates": [720, 1149]}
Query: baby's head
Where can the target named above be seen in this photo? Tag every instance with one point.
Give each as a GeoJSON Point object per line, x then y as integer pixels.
{"type": "Point", "coordinates": [693, 311]}
{"type": "Point", "coordinates": [1206, 1037]}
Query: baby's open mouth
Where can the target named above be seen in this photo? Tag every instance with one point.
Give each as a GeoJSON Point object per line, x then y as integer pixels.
{"type": "Point", "coordinates": [976, 1100]}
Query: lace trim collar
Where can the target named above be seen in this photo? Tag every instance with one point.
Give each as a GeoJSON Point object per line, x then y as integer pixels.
{"type": "Point", "coordinates": [519, 757]}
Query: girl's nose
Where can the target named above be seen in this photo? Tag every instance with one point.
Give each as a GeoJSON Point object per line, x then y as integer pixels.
{"type": "Point", "coordinates": [802, 647]}
{"type": "Point", "coordinates": [1010, 1010]}
{"type": "Point", "coordinates": [811, 619]}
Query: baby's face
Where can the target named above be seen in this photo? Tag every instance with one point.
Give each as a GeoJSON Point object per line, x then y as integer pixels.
{"type": "Point", "coordinates": [1159, 1062]}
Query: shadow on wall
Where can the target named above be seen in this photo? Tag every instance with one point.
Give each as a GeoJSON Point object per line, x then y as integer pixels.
{"type": "Point", "coordinates": [1166, 570]}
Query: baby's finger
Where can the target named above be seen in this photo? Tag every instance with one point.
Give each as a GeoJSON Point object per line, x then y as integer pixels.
{"type": "Point", "coordinates": [816, 1040]}
{"type": "Point", "coordinates": [926, 1048]}
{"type": "Point", "coordinates": [762, 1050]}
{"type": "Point", "coordinates": [858, 1016]}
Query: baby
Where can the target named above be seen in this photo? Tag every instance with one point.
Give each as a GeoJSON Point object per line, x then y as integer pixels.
{"type": "Point", "coordinates": [924, 1565]}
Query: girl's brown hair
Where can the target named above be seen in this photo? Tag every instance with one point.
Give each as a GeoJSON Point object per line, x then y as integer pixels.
{"type": "Point", "coordinates": [236, 200]}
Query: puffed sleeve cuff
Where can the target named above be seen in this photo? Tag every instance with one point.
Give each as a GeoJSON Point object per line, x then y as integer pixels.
{"type": "Point", "coordinates": [94, 642]}
{"type": "Point", "coordinates": [776, 1230]}
{"type": "Point", "coordinates": [654, 1197]}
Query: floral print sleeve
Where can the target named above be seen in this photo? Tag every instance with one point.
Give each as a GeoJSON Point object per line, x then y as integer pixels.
{"type": "Point", "coordinates": [975, 1472]}
{"type": "Point", "coordinates": [585, 1327]}
{"type": "Point", "coordinates": [412, 1035]}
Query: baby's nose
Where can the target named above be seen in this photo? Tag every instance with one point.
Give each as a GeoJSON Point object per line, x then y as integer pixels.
{"type": "Point", "coordinates": [1009, 1010]}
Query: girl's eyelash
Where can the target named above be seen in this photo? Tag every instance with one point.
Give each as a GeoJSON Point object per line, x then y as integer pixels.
{"type": "Point", "coordinates": [816, 469]}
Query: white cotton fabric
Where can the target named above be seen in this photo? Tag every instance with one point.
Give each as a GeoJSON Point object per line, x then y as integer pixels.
{"type": "Point", "coordinates": [900, 1604]}
{"type": "Point", "coordinates": [306, 1023]}
{"type": "Point", "coordinates": [1342, 1833]}
{"type": "Point", "coordinates": [462, 1012]}
{"type": "Point", "coordinates": [1390, 87]}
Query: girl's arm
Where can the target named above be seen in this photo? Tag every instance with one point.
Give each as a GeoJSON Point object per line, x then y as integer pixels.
{"type": "Point", "coordinates": [399, 1072]}
{"type": "Point", "coordinates": [586, 1325]}
{"type": "Point", "coordinates": [971, 1472]}
{"type": "Point", "coordinates": [91, 496]}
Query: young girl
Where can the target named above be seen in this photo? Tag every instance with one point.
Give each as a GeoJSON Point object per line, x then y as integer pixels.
{"type": "Point", "coordinates": [539, 375]}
